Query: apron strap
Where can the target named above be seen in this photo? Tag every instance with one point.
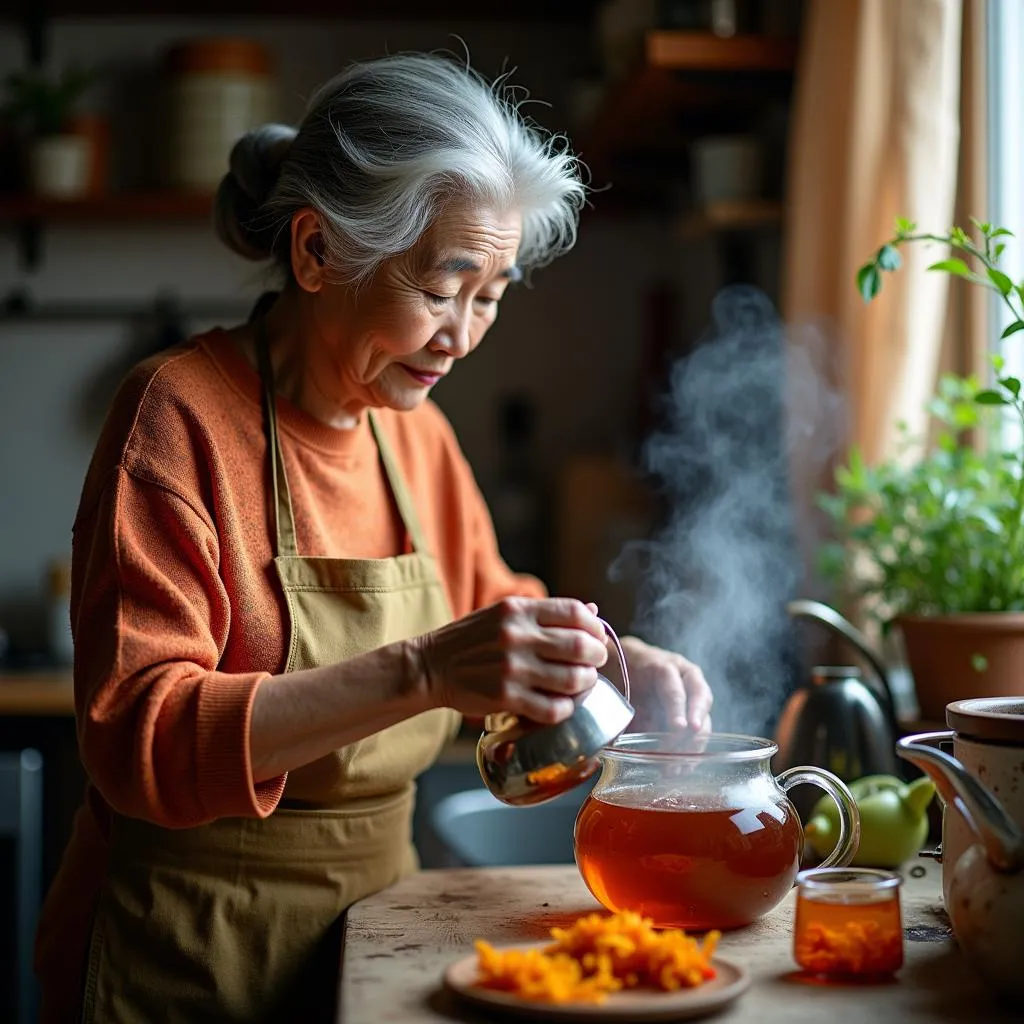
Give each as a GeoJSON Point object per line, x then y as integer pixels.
{"type": "Point", "coordinates": [403, 499]}
{"type": "Point", "coordinates": [284, 519]}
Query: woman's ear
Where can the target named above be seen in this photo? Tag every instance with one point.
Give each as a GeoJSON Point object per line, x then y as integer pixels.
{"type": "Point", "coordinates": [308, 266]}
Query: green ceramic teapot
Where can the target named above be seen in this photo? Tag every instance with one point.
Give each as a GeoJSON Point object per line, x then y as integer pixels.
{"type": "Point", "coordinates": [893, 815]}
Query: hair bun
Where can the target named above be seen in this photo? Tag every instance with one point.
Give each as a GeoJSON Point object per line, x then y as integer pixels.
{"type": "Point", "coordinates": [257, 156]}
{"type": "Point", "coordinates": [255, 165]}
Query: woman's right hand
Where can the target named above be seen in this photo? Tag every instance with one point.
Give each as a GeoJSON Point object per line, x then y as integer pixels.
{"type": "Point", "coordinates": [523, 655]}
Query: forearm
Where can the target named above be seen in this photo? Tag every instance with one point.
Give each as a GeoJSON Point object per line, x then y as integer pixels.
{"type": "Point", "coordinates": [299, 717]}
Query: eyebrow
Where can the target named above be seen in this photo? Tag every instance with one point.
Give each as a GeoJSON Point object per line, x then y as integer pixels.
{"type": "Point", "coordinates": [464, 265]}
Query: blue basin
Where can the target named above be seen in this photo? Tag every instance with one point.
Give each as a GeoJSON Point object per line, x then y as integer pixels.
{"type": "Point", "coordinates": [476, 830]}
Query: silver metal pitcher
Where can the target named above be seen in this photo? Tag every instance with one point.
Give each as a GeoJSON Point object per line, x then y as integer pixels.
{"type": "Point", "coordinates": [524, 763]}
{"type": "Point", "coordinates": [841, 722]}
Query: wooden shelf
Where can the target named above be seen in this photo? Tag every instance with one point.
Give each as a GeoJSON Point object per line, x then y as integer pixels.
{"type": "Point", "coordinates": [37, 694]}
{"type": "Point", "coordinates": [700, 51]}
{"type": "Point", "coordinates": [337, 10]}
{"type": "Point", "coordinates": [740, 215]}
{"type": "Point", "coordinates": [142, 207]}
{"type": "Point", "coordinates": [686, 85]}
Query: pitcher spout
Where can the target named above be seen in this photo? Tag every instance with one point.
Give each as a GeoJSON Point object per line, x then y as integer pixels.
{"type": "Point", "coordinates": [1001, 837]}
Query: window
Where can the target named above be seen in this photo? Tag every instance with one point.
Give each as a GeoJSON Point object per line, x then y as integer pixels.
{"type": "Point", "coordinates": [1005, 88]}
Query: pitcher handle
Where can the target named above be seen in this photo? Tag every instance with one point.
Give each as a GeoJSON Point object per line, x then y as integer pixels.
{"type": "Point", "coordinates": [622, 658]}
{"type": "Point", "coordinates": [849, 815]}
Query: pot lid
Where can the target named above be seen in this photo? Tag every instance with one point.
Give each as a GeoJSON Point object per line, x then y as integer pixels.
{"type": "Point", "coordinates": [998, 719]}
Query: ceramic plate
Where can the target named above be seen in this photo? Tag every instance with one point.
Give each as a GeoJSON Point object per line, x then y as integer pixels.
{"type": "Point", "coordinates": [631, 1005]}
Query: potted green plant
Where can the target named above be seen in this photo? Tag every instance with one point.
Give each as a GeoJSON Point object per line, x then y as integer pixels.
{"type": "Point", "coordinates": [933, 543]}
{"type": "Point", "coordinates": [41, 108]}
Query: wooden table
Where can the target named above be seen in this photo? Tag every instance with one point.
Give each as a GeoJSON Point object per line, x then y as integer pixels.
{"type": "Point", "coordinates": [399, 942]}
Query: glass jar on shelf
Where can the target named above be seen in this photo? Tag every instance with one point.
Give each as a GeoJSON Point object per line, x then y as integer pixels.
{"type": "Point", "coordinates": [217, 89]}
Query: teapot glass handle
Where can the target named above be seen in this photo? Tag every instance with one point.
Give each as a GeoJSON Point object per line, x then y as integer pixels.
{"type": "Point", "coordinates": [849, 815]}
{"type": "Point", "coordinates": [622, 658]}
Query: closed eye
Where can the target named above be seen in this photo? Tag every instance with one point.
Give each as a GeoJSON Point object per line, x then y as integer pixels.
{"type": "Point", "coordinates": [438, 300]}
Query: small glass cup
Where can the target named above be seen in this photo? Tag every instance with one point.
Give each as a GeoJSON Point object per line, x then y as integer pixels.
{"type": "Point", "coordinates": [848, 924]}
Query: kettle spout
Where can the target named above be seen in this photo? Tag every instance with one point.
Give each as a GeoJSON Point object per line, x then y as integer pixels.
{"type": "Point", "coordinates": [1000, 835]}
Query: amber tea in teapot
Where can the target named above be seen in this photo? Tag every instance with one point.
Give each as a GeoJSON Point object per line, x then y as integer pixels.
{"type": "Point", "coordinates": [689, 867]}
{"type": "Point", "coordinates": [695, 832]}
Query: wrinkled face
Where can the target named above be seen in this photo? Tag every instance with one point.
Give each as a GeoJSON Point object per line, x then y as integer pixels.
{"type": "Point", "coordinates": [388, 343]}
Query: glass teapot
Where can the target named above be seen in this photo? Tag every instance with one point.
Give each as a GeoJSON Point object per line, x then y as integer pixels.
{"type": "Point", "coordinates": [695, 832]}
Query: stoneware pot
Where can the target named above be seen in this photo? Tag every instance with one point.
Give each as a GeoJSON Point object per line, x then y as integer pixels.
{"type": "Point", "coordinates": [988, 740]}
{"type": "Point", "coordinates": [942, 653]}
{"type": "Point", "coordinates": [982, 784]}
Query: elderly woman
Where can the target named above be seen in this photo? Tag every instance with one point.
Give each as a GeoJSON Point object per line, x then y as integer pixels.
{"type": "Point", "coordinates": [287, 588]}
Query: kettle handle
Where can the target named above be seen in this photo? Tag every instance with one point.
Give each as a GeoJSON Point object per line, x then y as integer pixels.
{"type": "Point", "coordinates": [622, 658]}
{"type": "Point", "coordinates": [806, 609]}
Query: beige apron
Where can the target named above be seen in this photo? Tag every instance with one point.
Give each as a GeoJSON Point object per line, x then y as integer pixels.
{"type": "Point", "coordinates": [240, 920]}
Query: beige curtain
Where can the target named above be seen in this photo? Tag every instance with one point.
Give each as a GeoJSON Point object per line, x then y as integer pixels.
{"type": "Point", "coordinates": [966, 342]}
{"type": "Point", "coordinates": [875, 136]}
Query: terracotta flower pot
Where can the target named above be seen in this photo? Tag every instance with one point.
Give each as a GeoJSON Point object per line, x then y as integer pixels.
{"type": "Point", "coordinates": [943, 650]}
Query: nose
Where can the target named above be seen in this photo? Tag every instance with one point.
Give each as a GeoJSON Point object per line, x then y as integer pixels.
{"type": "Point", "coordinates": [454, 337]}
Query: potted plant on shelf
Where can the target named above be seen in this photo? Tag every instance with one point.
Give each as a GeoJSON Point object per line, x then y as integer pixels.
{"type": "Point", "coordinates": [934, 544]}
{"type": "Point", "coordinates": [58, 159]}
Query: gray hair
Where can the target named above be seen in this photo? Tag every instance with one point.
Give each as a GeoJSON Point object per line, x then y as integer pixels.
{"type": "Point", "coordinates": [384, 147]}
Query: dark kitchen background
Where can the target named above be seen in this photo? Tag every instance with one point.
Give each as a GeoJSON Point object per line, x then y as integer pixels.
{"type": "Point", "coordinates": [681, 111]}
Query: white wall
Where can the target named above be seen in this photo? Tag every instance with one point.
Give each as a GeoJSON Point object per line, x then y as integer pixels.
{"type": "Point", "coordinates": [573, 340]}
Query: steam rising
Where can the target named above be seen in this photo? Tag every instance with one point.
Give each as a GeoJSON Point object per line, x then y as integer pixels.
{"type": "Point", "coordinates": [747, 417]}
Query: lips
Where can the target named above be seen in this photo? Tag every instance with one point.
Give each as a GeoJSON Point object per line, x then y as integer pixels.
{"type": "Point", "coordinates": [427, 379]}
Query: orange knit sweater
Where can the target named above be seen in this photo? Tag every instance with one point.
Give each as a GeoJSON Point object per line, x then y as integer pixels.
{"type": "Point", "coordinates": [175, 607]}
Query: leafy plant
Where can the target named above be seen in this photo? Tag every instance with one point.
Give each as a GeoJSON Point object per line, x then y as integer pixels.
{"type": "Point", "coordinates": [945, 533]}
{"type": "Point", "coordinates": [42, 105]}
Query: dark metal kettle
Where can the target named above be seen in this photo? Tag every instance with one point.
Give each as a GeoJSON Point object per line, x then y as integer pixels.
{"type": "Point", "coordinates": [841, 721]}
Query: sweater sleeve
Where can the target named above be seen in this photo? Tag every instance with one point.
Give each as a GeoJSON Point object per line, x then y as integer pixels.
{"type": "Point", "coordinates": [163, 734]}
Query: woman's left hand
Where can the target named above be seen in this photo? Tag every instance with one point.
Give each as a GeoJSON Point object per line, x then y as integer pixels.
{"type": "Point", "coordinates": [669, 692]}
